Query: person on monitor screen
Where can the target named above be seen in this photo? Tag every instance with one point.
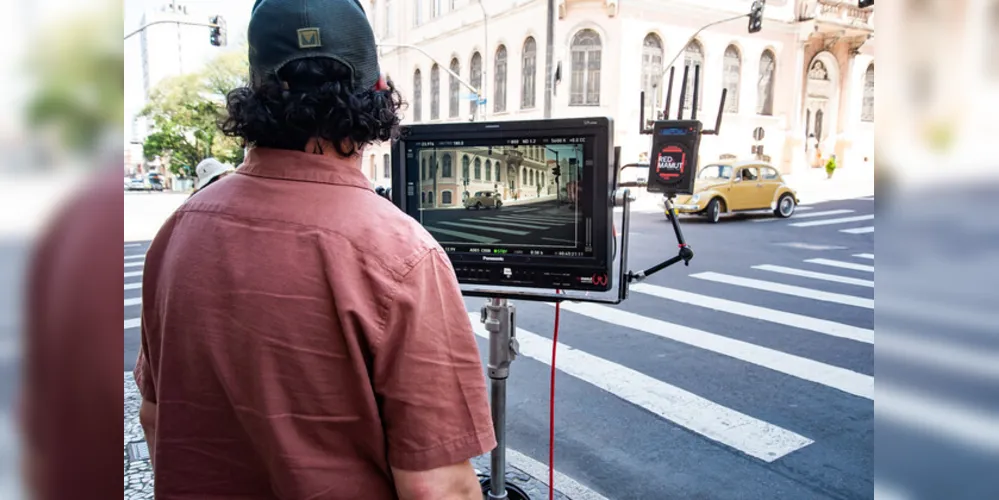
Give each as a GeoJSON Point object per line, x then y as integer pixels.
{"type": "Point", "coordinates": [301, 337]}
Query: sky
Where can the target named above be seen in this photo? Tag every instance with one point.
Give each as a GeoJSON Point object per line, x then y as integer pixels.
{"type": "Point", "coordinates": [235, 12]}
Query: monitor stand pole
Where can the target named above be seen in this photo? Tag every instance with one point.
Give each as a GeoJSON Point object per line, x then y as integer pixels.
{"type": "Point", "coordinates": [498, 316]}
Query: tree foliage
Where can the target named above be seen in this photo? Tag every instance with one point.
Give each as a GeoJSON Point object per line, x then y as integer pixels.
{"type": "Point", "coordinates": [184, 112]}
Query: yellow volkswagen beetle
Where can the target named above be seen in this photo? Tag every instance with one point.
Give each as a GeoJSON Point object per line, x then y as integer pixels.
{"type": "Point", "coordinates": [728, 186]}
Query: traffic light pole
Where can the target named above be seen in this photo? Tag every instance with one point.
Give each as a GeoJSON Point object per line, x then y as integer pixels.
{"type": "Point", "coordinates": [692, 37]}
{"type": "Point", "coordinates": [170, 21]}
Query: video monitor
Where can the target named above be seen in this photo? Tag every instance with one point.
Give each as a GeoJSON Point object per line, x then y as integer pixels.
{"type": "Point", "coordinates": [521, 204]}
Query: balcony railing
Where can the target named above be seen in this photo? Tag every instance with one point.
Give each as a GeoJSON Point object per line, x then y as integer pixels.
{"type": "Point", "coordinates": [842, 12]}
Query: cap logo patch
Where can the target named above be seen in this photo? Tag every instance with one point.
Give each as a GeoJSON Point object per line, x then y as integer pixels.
{"type": "Point", "coordinates": [308, 38]}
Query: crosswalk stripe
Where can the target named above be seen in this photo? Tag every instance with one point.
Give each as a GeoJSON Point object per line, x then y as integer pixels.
{"type": "Point", "coordinates": [132, 323]}
{"type": "Point", "coordinates": [796, 291]}
{"type": "Point", "coordinates": [858, 230]}
{"type": "Point", "coordinates": [841, 264]}
{"type": "Point", "coordinates": [803, 322]}
{"type": "Point", "coordinates": [826, 222]}
{"type": "Point", "coordinates": [812, 274]}
{"type": "Point", "coordinates": [976, 428]}
{"type": "Point", "coordinates": [536, 219]}
{"type": "Point", "coordinates": [478, 238]}
{"type": "Point", "coordinates": [133, 257]}
{"type": "Point", "coordinates": [487, 229]}
{"type": "Point", "coordinates": [133, 286]}
{"type": "Point", "coordinates": [134, 264]}
{"type": "Point", "coordinates": [132, 274]}
{"type": "Point", "coordinates": [751, 436]}
{"type": "Point", "coordinates": [864, 256]}
{"type": "Point", "coordinates": [506, 223]}
{"type": "Point", "coordinates": [133, 301]}
{"type": "Point", "coordinates": [947, 356]}
{"type": "Point", "coordinates": [949, 314]}
{"type": "Point", "coordinates": [824, 213]}
{"type": "Point", "coordinates": [835, 377]}
{"type": "Point", "coordinates": [800, 208]}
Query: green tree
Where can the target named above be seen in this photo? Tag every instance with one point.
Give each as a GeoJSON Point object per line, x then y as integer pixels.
{"type": "Point", "coordinates": [185, 110]}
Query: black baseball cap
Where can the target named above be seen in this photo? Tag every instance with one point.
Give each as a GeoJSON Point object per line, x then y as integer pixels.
{"type": "Point", "coordinates": [282, 31]}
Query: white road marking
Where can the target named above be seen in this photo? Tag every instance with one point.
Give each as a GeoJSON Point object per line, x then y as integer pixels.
{"type": "Point", "coordinates": [826, 327]}
{"type": "Point", "coordinates": [864, 256]}
{"type": "Point", "coordinates": [461, 234]}
{"type": "Point", "coordinates": [133, 257]}
{"type": "Point", "coordinates": [968, 426]}
{"type": "Point", "coordinates": [133, 286]}
{"type": "Point", "coordinates": [835, 377]}
{"type": "Point", "coordinates": [944, 314]}
{"type": "Point", "coordinates": [487, 229]}
{"type": "Point", "coordinates": [826, 222]}
{"type": "Point", "coordinates": [824, 213]}
{"type": "Point", "coordinates": [858, 230]}
{"type": "Point", "coordinates": [132, 274]}
{"type": "Point", "coordinates": [505, 223]}
{"type": "Point", "coordinates": [796, 291]}
{"type": "Point", "coordinates": [135, 264]}
{"type": "Point", "coordinates": [132, 323]}
{"type": "Point", "coordinates": [751, 436]}
{"type": "Point", "coordinates": [947, 356]}
{"type": "Point", "coordinates": [812, 274]}
{"type": "Point", "coordinates": [802, 207]}
{"type": "Point", "coordinates": [133, 302]}
{"type": "Point", "coordinates": [535, 219]}
{"type": "Point", "coordinates": [131, 245]}
{"type": "Point", "coordinates": [841, 264]}
{"type": "Point", "coordinates": [567, 485]}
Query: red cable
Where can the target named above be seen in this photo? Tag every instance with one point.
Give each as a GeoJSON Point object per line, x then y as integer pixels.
{"type": "Point", "coordinates": [551, 409]}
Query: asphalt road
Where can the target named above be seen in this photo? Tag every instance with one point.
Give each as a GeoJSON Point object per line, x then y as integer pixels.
{"type": "Point", "coordinates": [541, 223]}
{"type": "Point", "coordinates": [749, 374]}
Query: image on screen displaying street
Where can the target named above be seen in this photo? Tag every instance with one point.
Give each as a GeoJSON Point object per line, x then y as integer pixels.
{"type": "Point", "coordinates": [502, 195]}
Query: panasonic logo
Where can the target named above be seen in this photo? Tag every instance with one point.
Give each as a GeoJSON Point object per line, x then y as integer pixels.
{"type": "Point", "coordinates": [493, 259]}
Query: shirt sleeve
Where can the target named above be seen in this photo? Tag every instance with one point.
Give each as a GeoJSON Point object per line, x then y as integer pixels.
{"type": "Point", "coordinates": [428, 374]}
{"type": "Point", "coordinates": [142, 372]}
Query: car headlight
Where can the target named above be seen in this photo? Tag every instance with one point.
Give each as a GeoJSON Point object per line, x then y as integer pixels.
{"type": "Point", "coordinates": [695, 198]}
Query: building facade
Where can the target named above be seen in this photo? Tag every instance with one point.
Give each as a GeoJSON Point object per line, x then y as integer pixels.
{"type": "Point", "coordinates": [810, 71]}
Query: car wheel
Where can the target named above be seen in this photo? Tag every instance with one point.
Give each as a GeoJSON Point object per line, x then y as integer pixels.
{"type": "Point", "coordinates": [713, 212]}
{"type": "Point", "coordinates": [785, 206]}
{"type": "Point", "coordinates": [478, 206]}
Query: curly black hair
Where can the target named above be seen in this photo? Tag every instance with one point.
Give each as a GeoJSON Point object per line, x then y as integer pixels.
{"type": "Point", "coordinates": [312, 98]}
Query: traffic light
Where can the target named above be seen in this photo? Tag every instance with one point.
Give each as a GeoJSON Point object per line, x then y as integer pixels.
{"type": "Point", "coordinates": [556, 171]}
{"type": "Point", "coordinates": [756, 16]}
{"type": "Point", "coordinates": [218, 33]}
{"type": "Point", "coordinates": [865, 3]}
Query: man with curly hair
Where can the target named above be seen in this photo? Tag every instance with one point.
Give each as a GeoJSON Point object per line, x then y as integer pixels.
{"type": "Point", "coordinates": [302, 337]}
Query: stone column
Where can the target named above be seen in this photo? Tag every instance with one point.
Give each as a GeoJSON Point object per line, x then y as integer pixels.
{"type": "Point", "coordinates": [846, 117]}
{"type": "Point", "coordinates": [794, 150]}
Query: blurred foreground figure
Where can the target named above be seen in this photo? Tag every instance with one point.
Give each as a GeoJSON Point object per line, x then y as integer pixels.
{"type": "Point", "coordinates": [289, 349]}
{"type": "Point", "coordinates": [70, 392]}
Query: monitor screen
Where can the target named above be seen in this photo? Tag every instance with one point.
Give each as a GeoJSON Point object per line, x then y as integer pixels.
{"type": "Point", "coordinates": [504, 196]}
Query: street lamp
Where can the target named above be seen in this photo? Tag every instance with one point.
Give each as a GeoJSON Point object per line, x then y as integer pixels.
{"type": "Point", "coordinates": [440, 65]}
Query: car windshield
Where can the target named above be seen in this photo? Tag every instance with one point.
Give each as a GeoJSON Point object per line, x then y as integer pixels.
{"type": "Point", "coordinates": [715, 172]}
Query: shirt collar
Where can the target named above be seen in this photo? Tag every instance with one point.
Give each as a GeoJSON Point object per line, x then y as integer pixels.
{"type": "Point", "coordinates": [301, 166]}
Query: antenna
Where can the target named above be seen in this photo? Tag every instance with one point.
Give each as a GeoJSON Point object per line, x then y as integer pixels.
{"type": "Point", "coordinates": [683, 91]}
{"type": "Point", "coordinates": [697, 82]}
{"type": "Point", "coordinates": [718, 119]}
{"type": "Point", "coordinates": [669, 93]}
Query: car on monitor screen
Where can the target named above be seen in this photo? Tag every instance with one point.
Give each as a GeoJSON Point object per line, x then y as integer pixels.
{"type": "Point", "coordinates": [484, 199]}
{"type": "Point", "coordinates": [730, 186]}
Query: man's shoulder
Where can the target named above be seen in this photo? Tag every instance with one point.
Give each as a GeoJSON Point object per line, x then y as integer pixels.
{"type": "Point", "coordinates": [392, 236]}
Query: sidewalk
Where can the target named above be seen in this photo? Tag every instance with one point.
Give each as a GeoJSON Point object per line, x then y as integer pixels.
{"type": "Point", "coordinates": [813, 186]}
{"type": "Point", "coordinates": [139, 474]}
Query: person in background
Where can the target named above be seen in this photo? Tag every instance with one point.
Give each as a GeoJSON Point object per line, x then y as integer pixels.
{"type": "Point", "coordinates": [209, 171]}
{"type": "Point", "coordinates": [290, 351]}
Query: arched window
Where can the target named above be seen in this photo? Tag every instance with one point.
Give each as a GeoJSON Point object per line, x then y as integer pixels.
{"type": "Point", "coordinates": [473, 105]}
{"type": "Point", "coordinates": [435, 92]}
{"type": "Point", "coordinates": [867, 111]}
{"type": "Point", "coordinates": [732, 75]}
{"type": "Point", "coordinates": [453, 91]}
{"type": "Point", "coordinates": [498, 171]}
{"type": "Point", "coordinates": [423, 169]}
{"type": "Point", "coordinates": [478, 169]}
{"type": "Point", "coordinates": [528, 74]}
{"type": "Point", "coordinates": [499, 80]}
{"type": "Point", "coordinates": [532, 177]}
{"type": "Point", "coordinates": [693, 57]}
{"type": "Point", "coordinates": [446, 198]}
{"type": "Point", "coordinates": [523, 175]}
{"type": "Point", "coordinates": [765, 84]}
{"type": "Point", "coordinates": [652, 74]}
{"type": "Point", "coordinates": [387, 165]}
{"type": "Point", "coordinates": [489, 170]}
{"type": "Point", "coordinates": [464, 168]}
{"type": "Point", "coordinates": [446, 167]}
{"type": "Point", "coordinates": [585, 85]}
{"type": "Point", "coordinates": [417, 96]}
